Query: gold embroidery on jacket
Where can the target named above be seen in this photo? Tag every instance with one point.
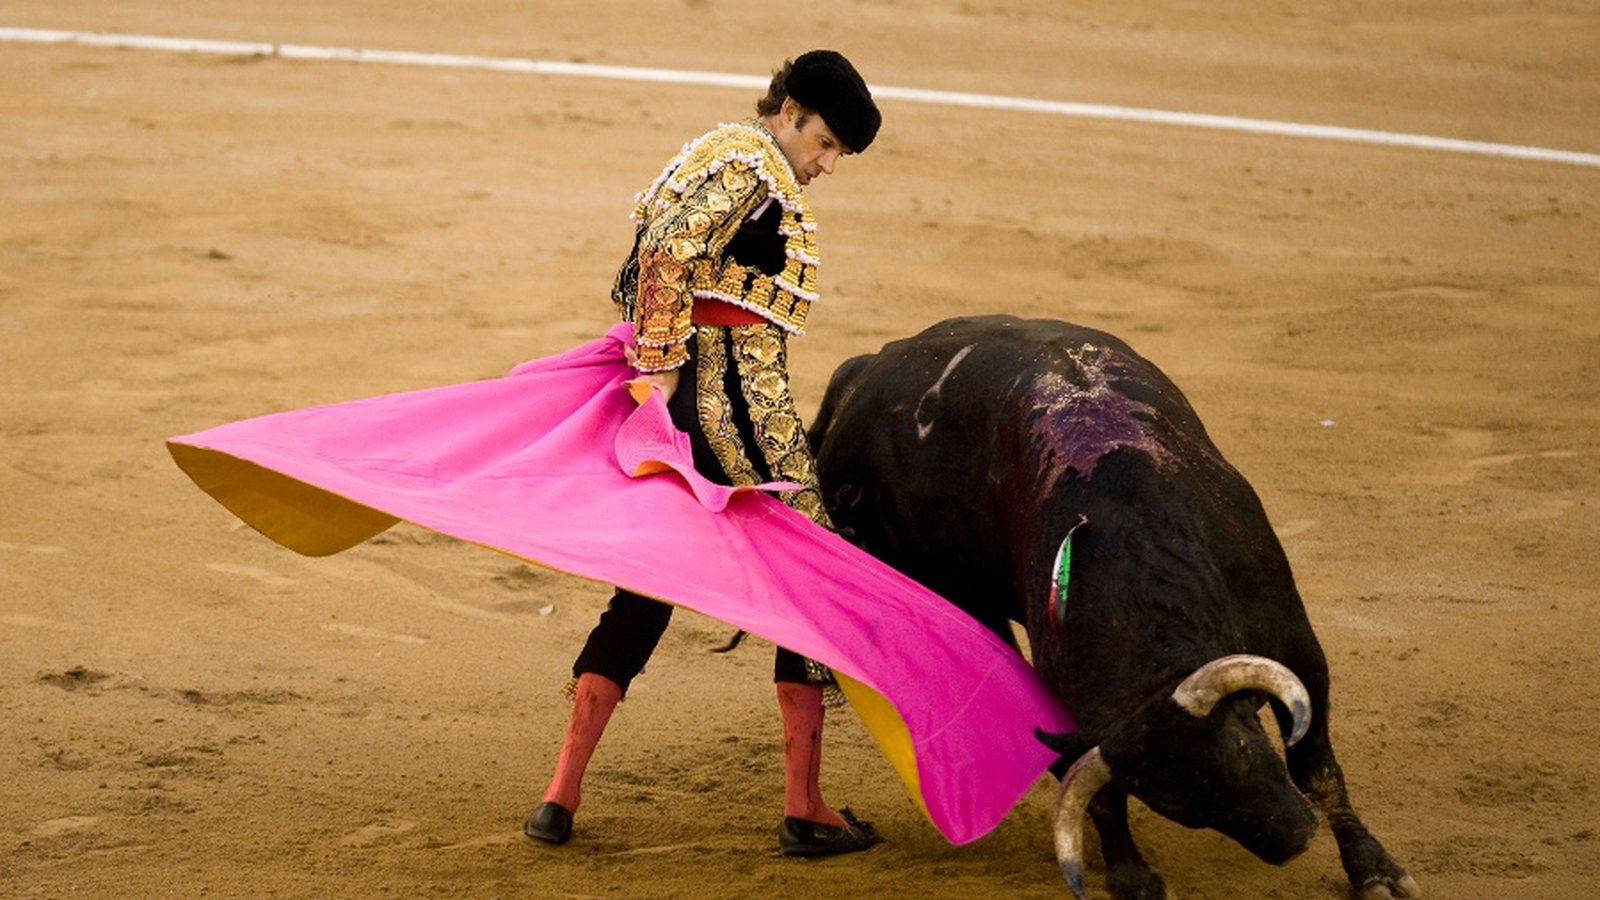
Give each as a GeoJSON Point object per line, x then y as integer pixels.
{"type": "Point", "coordinates": [760, 357]}
{"type": "Point", "coordinates": [716, 415]}
{"type": "Point", "coordinates": [688, 216]}
{"type": "Point", "coordinates": [663, 319]}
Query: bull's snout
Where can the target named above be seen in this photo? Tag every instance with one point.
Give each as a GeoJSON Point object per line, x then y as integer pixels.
{"type": "Point", "coordinates": [1280, 837]}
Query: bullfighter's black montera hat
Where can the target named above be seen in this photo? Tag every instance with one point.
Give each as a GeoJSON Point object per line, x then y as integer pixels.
{"type": "Point", "coordinates": [826, 82]}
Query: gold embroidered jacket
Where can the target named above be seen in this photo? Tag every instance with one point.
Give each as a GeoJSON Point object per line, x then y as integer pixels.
{"type": "Point", "coordinates": [685, 220]}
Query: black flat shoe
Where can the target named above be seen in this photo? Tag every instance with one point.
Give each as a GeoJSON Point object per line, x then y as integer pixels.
{"type": "Point", "coordinates": [550, 823]}
{"type": "Point", "coordinates": [802, 837]}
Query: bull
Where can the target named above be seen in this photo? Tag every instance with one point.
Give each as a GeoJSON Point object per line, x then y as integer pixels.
{"type": "Point", "coordinates": [1044, 473]}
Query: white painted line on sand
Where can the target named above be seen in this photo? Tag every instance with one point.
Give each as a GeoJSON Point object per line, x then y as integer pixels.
{"type": "Point", "coordinates": [718, 79]}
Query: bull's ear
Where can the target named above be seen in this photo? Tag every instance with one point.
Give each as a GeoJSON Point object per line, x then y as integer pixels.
{"type": "Point", "coordinates": [1069, 744]}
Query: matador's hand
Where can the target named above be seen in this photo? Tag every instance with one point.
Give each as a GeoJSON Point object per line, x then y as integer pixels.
{"type": "Point", "coordinates": [665, 382]}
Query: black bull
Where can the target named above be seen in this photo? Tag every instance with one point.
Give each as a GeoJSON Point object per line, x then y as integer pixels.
{"type": "Point", "coordinates": [965, 455]}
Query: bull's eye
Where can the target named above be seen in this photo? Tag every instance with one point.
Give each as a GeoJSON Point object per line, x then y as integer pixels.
{"type": "Point", "coordinates": [1239, 765]}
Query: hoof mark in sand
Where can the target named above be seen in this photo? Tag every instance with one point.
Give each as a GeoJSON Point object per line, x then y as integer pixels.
{"type": "Point", "coordinates": [74, 678]}
{"type": "Point", "coordinates": [261, 575]}
{"type": "Point", "coordinates": [1502, 459]}
{"type": "Point", "coordinates": [24, 620]}
{"type": "Point", "coordinates": [462, 609]}
{"type": "Point", "coordinates": [525, 608]}
{"type": "Point", "coordinates": [372, 834]}
{"type": "Point", "coordinates": [1294, 528]}
{"type": "Point", "coordinates": [1452, 469]}
{"type": "Point", "coordinates": [1356, 622]}
{"type": "Point", "coordinates": [31, 548]}
{"type": "Point", "coordinates": [1549, 509]}
{"type": "Point", "coordinates": [64, 825]}
{"type": "Point", "coordinates": [360, 631]}
{"type": "Point", "coordinates": [520, 578]}
{"type": "Point", "coordinates": [496, 839]}
{"type": "Point", "coordinates": [257, 697]}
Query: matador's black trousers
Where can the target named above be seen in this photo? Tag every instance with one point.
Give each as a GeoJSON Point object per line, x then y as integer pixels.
{"type": "Point", "coordinates": [632, 625]}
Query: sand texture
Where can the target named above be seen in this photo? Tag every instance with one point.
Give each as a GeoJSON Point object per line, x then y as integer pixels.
{"type": "Point", "coordinates": [1400, 348]}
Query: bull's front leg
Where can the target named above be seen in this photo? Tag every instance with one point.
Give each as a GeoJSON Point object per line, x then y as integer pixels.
{"type": "Point", "coordinates": [1128, 876]}
{"type": "Point", "coordinates": [1373, 873]}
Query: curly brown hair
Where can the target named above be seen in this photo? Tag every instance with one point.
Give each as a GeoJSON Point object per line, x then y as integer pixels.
{"type": "Point", "coordinates": [777, 91]}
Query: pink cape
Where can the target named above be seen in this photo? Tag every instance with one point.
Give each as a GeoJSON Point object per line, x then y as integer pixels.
{"type": "Point", "coordinates": [558, 465]}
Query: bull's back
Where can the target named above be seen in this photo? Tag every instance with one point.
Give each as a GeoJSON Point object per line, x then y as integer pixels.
{"type": "Point", "coordinates": [926, 449]}
{"type": "Point", "coordinates": [962, 455]}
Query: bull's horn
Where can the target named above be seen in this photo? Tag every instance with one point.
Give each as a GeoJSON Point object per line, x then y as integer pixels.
{"type": "Point", "coordinates": [1201, 691]}
{"type": "Point", "coordinates": [1085, 779]}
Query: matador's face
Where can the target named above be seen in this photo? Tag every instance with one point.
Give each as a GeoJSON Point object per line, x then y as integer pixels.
{"type": "Point", "coordinates": [806, 140]}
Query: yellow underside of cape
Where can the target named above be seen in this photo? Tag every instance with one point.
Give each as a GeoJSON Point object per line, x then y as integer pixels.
{"type": "Point", "coordinates": [315, 522]}
{"type": "Point", "coordinates": [306, 519]}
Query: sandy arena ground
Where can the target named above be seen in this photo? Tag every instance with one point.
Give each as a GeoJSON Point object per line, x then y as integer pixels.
{"type": "Point", "coordinates": [1400, 348]}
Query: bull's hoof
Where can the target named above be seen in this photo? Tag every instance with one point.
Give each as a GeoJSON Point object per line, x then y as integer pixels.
{"type": "Point", "coordinates": [1403, 887]}
{"type": "Point", "coordinates": [550, 823]}
{"type": "Point", "coordinates": [1135, 883]}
